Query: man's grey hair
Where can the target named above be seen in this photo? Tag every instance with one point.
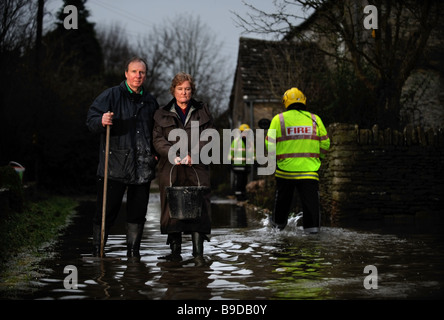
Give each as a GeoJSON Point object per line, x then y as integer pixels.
{"type": "Point", "coordinates": [136, 59]}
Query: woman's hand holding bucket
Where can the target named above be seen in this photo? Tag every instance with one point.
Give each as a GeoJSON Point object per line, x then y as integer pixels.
{"type": "Point", "coordinates": [186, 161]}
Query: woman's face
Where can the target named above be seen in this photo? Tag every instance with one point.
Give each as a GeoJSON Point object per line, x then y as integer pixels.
{"type": "Point", "coordinates": [182, 92]}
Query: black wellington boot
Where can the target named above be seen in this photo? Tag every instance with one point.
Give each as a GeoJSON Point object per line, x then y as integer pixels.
{"type": "Point", "coordinates": [175, 242]}
{"type": "Point", "coordinates": [198, 240]}
{"type": "Point", "coordinates": [97, 238]}
{"type": "Point", "coordinates": [133, 238]}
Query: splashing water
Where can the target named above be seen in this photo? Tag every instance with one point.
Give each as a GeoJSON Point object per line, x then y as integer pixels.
{"type": "Point", "coordinates": [252, 261]}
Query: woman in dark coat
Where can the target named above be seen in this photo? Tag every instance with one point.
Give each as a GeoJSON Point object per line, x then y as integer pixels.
{"type": "Point", "coordinates": [182, 112]}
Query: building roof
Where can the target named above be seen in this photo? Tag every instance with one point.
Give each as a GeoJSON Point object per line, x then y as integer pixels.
{"type": "Point", "coordinates": [266, 68]}
{"type": "Point", "coordinates": [251, 67]}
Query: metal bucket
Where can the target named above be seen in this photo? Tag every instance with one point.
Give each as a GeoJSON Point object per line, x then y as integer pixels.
{"type": "Point", "coordinates": [186, 202]}
{"type": "Point", "coordinates": [18, 168]}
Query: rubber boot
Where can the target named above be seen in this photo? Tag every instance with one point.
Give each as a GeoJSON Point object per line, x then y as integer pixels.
{"type": "Point", "coordinates": [133, 238]}
{"type": "Point", "coordinates": [97, 238]}
{"type": "Point", "coordinates": [198, 240]}
{"type": "Point", "coordinates": [175, 242]}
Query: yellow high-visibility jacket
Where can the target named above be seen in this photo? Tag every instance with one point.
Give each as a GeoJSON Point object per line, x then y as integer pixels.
{"type": "Point", "coordinates": [240, 153]}
{"type": "Point", "coordinates": [299, 140]}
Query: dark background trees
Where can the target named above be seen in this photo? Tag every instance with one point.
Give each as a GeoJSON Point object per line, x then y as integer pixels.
{"type": "Point", "coordinates": [50, 78]}
{"type": "Point", "coordinates": [368, 67]}
{"type": "Point", "coordinates": [187, 44]}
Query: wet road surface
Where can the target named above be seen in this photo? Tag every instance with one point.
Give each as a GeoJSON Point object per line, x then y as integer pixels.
{"type": "Point", "coordinates": [246, 260]}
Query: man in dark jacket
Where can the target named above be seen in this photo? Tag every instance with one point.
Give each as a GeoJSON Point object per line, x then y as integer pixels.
{"type": "Point", "coordinates": [129, 110]}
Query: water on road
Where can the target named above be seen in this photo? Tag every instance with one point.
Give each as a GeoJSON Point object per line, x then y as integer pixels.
{"type": "Point", "coordinates": [247, 260]}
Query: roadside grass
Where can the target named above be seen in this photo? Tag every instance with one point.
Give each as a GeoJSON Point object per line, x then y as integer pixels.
{"type": "Point", "coordinates": [26, 237]}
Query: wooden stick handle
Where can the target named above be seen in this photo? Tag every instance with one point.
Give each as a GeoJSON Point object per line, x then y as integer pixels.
{"type": "Point", "coordinates": [105, 190]}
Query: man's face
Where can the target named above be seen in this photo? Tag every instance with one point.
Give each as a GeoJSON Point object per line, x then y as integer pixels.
{"type": "Point", "coordinates": [136, 75]}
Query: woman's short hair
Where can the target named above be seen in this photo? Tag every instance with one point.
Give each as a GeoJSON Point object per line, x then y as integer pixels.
{"type": "Point", "coordinates": [180, 78]}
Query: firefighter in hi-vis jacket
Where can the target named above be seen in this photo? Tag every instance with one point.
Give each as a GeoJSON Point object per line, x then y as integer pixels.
{"type": "Point", "coordinates": [300, 141]}
{"type": "Point", "coordinates": [242, 157]}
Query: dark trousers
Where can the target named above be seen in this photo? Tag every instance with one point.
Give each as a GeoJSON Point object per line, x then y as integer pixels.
{"type": "Point", "coordinates": [136, 203]}
{"type": "Point", "coordinates": [240, 180]}
{"type": "Point", "coordinates": [308, 191]}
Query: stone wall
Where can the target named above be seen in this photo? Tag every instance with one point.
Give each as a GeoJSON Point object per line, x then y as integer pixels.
{"type": "Point", "coordinates": [370, 173]}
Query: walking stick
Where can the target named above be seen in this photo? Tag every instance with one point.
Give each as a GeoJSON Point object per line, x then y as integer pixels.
{"type": "Point", "coordinates": [105, 190]}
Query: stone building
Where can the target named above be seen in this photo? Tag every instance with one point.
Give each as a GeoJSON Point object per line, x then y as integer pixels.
{"type": "Point", "coordinates": [422, 95]}
{"type": "Point", "coordinates": [369, 173]}
{"type": "Point", "coordinates": [265, 70]}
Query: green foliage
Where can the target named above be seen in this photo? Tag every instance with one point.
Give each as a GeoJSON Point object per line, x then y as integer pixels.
{"type": "Point", "coordinates": [351, 101]}
{"type": "Point", "coordinates": [39, 223]}
{"type": "Point", "coordinates": [44, 121]}
{"type": "Point", "coordinates": [46, 95]}
{"type": "Point", "coordinates": [261, 193]}
{"type": "Point", "coordinates": [9, 179]}
{"type": "Point", "coordinates": [76, 49]}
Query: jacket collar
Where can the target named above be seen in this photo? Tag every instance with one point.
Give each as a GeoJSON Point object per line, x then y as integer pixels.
{"type": "Point", "coordinates": [123, 86]}
{"type": "Point", "coordinates": [131, 91]}
{"type": "Point", "coordinates": [194, 103]}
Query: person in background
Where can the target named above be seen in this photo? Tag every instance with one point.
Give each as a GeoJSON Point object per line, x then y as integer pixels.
{"type": "Point", "coordinates": [129, 109]}
{"type": "Point", "coordinates": [179, 113]}
{"type": "Point", "coordinates": [300, 141]}
{"type": "Point", "coordinates": [242, 157]}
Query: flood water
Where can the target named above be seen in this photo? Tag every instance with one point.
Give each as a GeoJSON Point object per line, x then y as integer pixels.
{"type": "Point", "coordinates": [247, 260]}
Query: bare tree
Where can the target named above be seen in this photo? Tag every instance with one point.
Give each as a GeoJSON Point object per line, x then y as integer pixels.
{"type": "Point", "coordinates": [115, 47]}
{"type": "Point", "coordinates": [153, 47]}
{"type": "Point", "coordinates": [382, 59]}
{"type": "Point", "coordinates": [289, 65]}
{"type": "Point", "coordinates": [17, 21]}
{"type": "Point", "coordinates": [186, 44]}
{"type": "Point", "coordinates": [281, 21]}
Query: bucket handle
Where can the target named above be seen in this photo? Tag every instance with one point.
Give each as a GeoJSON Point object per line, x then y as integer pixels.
{"type": "Point", "coordinates": [16, 164]}
{"type": "Point", "coordinates": [198, 181]}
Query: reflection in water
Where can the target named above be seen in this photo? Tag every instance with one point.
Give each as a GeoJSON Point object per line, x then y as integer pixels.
{"type": "Point", "coordinates": [101, 279]}
{"type": "Point", "coordinates": [185, 281]}
{"type": "Point", "coordinates": [246, 259]}
{"type": "Point", "coordinates": [301, 273]}
{"type": "Point", "coordinates": [226, 214]}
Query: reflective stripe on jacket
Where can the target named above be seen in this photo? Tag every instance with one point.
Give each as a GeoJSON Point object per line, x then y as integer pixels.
{"type": "Point", "coordinates": [299, 140]}
{"type": "Point", "coordinates": [240, 154]}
